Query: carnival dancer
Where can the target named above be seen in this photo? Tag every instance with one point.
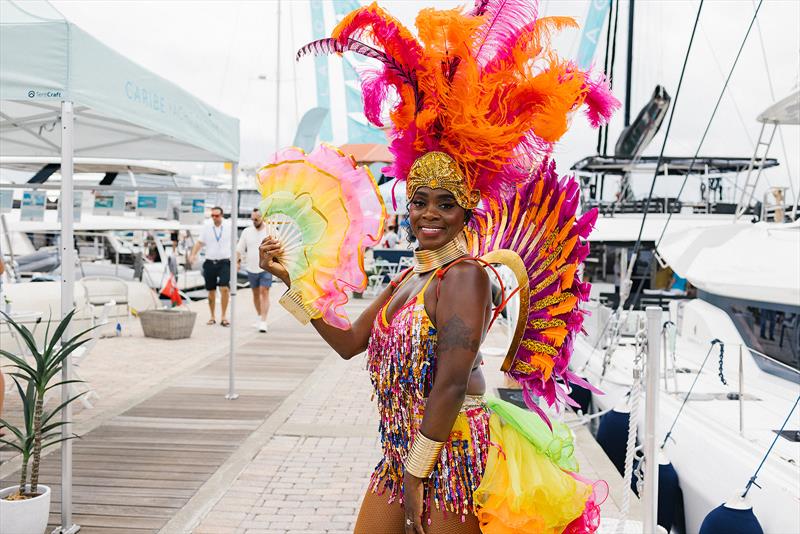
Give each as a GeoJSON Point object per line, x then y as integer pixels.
{"type": "Point", "coordinates": [480, 102]}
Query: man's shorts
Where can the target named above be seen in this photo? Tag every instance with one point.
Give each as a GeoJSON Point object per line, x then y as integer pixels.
{"type": "Point", "coordinates": [217, 273]}
{"type": "Point", "coordinates": [262, 279]}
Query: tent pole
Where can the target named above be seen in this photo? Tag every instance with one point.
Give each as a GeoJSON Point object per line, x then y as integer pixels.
{"type": "Point", "coordinates": [67, 303]}
{"type": "Point", "coordinates": [232, 395]}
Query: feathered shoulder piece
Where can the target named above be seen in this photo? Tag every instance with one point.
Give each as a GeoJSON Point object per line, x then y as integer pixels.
{"type": "Point", "coordinates": [482, 86]}
{"type": "Point", "coordinates": [539, 236]}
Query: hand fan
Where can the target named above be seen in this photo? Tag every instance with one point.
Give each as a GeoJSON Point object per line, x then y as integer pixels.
{"type": "Point", "coordinates": [325, 211]}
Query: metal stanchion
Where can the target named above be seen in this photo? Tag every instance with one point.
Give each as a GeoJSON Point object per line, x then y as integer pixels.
{"type": "Point", "coordinates": [232, 395]}
{"type": "Point", "coordinates": [650, 493]}
{"type": "Point", "coordinates": [67, 303]}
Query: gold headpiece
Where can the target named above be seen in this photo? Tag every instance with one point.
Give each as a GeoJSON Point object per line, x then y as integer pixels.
{"type": "Point", "coordinates": [437, 170]}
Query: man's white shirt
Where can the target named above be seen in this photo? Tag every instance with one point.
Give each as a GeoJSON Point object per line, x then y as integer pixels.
{"type": "Point", "coordinates": [217, 240]}
{"type": "Point", "coordinates": [248, 245]}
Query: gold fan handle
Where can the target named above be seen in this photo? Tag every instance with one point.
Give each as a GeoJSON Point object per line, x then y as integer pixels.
{"type": "Point", "coordinates": [295, 304]}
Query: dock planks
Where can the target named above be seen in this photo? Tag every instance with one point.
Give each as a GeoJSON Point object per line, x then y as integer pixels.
{"type": "Point", "coordinates": [135, 471]}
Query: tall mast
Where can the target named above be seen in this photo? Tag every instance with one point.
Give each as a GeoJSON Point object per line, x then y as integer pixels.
{"type": "Point", "coordinates": [278, 83]}
{"type": "Point", "coordinates": [628, 70]}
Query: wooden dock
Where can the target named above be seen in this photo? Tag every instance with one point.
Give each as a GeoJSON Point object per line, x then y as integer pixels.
{"type": "Point", "coordinates": [134, 472]}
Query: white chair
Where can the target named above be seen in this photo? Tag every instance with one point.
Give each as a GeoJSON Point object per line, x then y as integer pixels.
{"type": "Point", "coordinates": [405, 262]}
{"type": "Point", "coordinates": [374, 285]}
{"type": "Point", "coordinates": [77, 357]}
{"type": "Point", "coordinates": [99, 291]}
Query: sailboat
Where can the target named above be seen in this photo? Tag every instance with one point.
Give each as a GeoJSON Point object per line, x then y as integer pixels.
{"type": "Point", "coordinates": [727, 421]}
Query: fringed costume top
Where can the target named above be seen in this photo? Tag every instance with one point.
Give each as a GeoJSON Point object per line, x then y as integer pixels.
{"type": "Point", "coordinates": [402, 364]}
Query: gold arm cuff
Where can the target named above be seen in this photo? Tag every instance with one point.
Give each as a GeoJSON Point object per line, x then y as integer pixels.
{"type": "Point", "coordinates": [293, 301]}
{"type": "Point", "coordinates": [423, 456]}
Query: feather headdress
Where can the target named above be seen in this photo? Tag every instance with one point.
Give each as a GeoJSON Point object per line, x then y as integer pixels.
{"type": "Point", "coordinates": [482, 86]}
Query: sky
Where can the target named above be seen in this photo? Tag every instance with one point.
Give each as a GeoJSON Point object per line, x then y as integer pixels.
{"type": "Point", "coordinates": [226, 53]}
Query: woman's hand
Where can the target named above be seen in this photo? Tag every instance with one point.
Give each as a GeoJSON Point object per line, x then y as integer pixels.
{"type": "Point", "coordinates": [268, 252]}
{"type": "Point", "coordinates": [413, 490]}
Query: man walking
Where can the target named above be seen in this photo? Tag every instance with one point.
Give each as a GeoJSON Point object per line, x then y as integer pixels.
{"type": "Point", "coordinates": [216, 238]}
{"type": "Point", "coordinates": [260, 280]}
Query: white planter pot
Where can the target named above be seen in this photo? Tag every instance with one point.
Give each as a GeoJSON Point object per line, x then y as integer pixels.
{"type": "Point", "coordinates": [24, 517]}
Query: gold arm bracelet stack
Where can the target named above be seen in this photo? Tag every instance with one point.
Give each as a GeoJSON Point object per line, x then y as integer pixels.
{"type": "Point", "coordinates": [423, 456]}
{"type": "Point", "coordinates": [294, 303]}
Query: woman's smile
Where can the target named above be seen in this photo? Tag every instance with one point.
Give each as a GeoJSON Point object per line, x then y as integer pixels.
{"type": "Point", "coordinates": [435, 216]}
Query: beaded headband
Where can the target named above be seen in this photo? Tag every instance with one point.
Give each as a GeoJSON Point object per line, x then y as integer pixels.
{"type": "Point", "coordinates": [437, 170]}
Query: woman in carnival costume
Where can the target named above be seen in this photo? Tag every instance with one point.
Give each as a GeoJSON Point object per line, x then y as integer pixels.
{"type": "Point", "coordinates": [477, 102]}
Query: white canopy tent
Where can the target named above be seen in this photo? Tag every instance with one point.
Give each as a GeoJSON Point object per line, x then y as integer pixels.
{"type": "Point", "coordinates": [64, 93]}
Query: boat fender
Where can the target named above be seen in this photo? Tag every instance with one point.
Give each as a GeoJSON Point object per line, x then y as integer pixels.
{"type": "Point", "coordinates": [734, 516]}
{"type": "Point", "coordinates": [670, 496]}
{"type": "Point", "coordinates": [612, 436]}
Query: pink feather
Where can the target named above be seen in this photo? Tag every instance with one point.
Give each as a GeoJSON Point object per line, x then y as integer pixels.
{"type": "Point", "coordinates": [374, 24]}
{"type": "Point", "coordinates": [502, 26]}
{"type": "Point", "coordinates": [600, 102]}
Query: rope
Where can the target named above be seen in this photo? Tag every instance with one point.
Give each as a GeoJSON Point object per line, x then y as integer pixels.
{"type": "Point", "coordinates": [772, 95]}
{"type": "Point", "coordinates": [668, 436]}
{"type": "Point", "coordinates": [630, 449]}
{"type": "Point", "coordinates": [752, 481]}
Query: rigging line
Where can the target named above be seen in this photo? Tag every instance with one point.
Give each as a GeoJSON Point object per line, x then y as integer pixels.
{"type": "Point", "coordinates": [714, 342]}
{"type": "Point", "coordinates": [772, 95]}
{"type": "Point", "coordinates": [611, 70]}
{"type": "Point", "coordinates": [733, 99]}
{"type": "Point", "coordinates": [230, 50]}
{"type": "Point", "coordinates": [294, 64]}
{"type": "Point", "coordinates": [711, 119]}
{"type": "Point", "coordinates": [638, 243]}
{"type": "Point", "coordinates": [694, 158]}
{"type": "Point", "coordinates": [778, 434]}
{"type": "Point", "coordinates": [603, 130]}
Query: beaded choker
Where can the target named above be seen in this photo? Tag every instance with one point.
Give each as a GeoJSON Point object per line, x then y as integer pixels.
{"type": "Point", "coordinates": [426, 261]}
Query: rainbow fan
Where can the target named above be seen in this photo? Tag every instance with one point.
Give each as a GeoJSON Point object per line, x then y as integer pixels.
{"type": "Point", "coordinates": [325, 211]}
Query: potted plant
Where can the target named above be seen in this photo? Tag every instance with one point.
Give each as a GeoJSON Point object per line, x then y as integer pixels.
{"type": "Point", "coordinates": [25, 508]}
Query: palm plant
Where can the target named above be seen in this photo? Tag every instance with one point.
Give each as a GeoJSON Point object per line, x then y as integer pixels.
{"type": "Point", "coordinates": [39, 429]}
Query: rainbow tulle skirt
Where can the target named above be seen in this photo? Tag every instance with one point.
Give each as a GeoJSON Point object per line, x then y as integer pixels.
{"type": "Point", "coordinates": [529, 484]}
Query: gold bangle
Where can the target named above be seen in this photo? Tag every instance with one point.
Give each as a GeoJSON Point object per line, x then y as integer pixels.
{"type": "Point", "coordinates": [423, 456]}
{"type": "Point", "coordinates": [294, 303]}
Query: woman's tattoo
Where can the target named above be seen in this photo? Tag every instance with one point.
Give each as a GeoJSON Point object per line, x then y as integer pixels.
{"type": "Point", "coordinates": [455, 334]}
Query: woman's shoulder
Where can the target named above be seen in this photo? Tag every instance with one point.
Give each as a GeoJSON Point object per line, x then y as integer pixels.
{"type": "Point", "coordinates": [466, 273]}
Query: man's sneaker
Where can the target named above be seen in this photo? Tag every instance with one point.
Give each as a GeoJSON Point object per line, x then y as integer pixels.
{"type": "Point", "coordinates": [262, 326]}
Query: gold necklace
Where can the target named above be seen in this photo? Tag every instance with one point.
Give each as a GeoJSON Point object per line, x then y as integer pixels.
{"type": "Point", "coordinates": [426, 261]}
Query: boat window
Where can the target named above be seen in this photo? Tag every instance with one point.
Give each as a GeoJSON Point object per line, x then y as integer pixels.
{"type": "Point", "coordinates": [770, 333]}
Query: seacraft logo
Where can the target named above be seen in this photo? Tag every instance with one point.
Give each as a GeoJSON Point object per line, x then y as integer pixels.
{"type": "Point", "coordinates": [44, 94]}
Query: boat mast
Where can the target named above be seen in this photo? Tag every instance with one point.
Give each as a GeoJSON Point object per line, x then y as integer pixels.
{"type": "Point", "coordinates": [628, 69]}
{"type": "Point", "coordinates": [278, 82]}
